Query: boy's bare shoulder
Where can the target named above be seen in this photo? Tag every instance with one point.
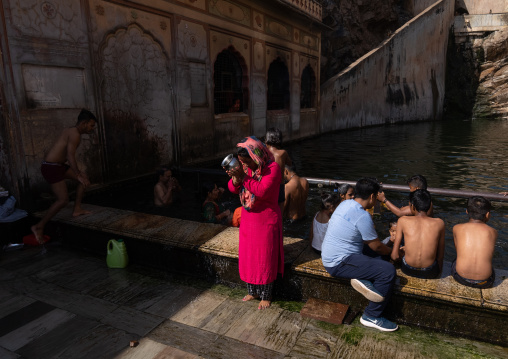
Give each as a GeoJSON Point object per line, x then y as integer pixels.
{"type": "Point", "coordinates": [438, 221]}
{"type": "Point", "coordinates": [475, 227]}
{"type": "Point", "coordinates": [405, 220]}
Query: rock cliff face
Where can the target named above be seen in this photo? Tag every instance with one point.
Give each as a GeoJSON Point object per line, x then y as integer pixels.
{"type": "Point", "coordinates": [358, 27]}
{"type": "Point", "coordinates": [477, 77]}
{"type": "Point", "coordinates": [492, 93]}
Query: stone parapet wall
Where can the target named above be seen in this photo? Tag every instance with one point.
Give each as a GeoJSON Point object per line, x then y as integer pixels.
{"type": "Point", "coordinates": [310, 7]}
{"type": "Point", "coordinates": [483, 7]}
{"type": "Point", "coordinates": [402, 80]}
{"type": "Point", "coordinates": [468, 24]}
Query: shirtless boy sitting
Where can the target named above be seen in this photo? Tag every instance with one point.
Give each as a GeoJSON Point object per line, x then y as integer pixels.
{"type": "Point", "coordinates": [474, 242]}
{"type": "Point", "coordinates": [414, 182]}
{"type": "Point", "coordinates": [423, 238]}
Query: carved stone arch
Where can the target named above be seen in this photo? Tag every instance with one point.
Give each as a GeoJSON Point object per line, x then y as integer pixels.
{"type": "Point", "coordinates": [223, 99]}
{"type": "Point", "coordinates": [136, 101]}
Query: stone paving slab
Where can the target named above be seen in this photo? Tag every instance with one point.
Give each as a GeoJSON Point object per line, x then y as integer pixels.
{"type": "Point", "coordinates": [194, 313]}
{"type": "Point", "coordinates": [132, 320]}
{"type": "Point", "coordinates": [173, 301]}
{"type": "Point", "coordinates": [23, 335]}
{"type": "Point", "coordinates": [101, 341]}
{"type": "Point", "coordinates": [14, 303]}
{"type": "Point", "coordinates": [148, 349]}
{"type": "Point", "coordinates": [324, 310]}
{"type": "Point", "coordinates": [217, 324]}
{"type": "Point", "coordinates": [222, 317]}
{"type": "Point", "coordinates": [56, 341]}
{"type": "Point", "coordinates": [208, 344]}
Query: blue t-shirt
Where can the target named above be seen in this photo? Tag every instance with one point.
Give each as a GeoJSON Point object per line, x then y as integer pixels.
{"type": "Point", "coordinates": [348, 227]}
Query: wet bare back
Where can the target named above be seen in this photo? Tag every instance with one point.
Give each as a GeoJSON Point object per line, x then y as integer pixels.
{"type": "Point", "coordinates": [423, 240]}
{"type": "Point", "coordinates": [475, 243]}
{"type": "Point", "coordinates": [297, 190]}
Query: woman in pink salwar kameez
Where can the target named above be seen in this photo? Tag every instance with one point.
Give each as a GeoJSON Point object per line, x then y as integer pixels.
{"type": "Point", "coordinates": [260, 254]}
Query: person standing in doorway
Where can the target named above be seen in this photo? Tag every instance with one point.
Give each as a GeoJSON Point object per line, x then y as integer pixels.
{"type": "Point", "coordinates": [60, 164]}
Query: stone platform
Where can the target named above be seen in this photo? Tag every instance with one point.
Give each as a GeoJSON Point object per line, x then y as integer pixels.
{"type": "Point", "coordinates": [211, 251]}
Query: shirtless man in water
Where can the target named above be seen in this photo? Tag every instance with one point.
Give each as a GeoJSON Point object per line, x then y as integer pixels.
{"type": "Point", "coordinates": [424, 236]}
{"type": "Point", "coordinates": [273, 141]}
{"type": "Point", "coordinates": [475, 242]}
{"type": "Point", "coordinates": [164, 190]}
{"type": "Point", "coordinates": [296, 191]}
{"type": "Point", "coordinates": [60, 164]}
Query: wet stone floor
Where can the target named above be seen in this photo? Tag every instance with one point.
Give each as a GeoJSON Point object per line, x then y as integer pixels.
{"type": "Point", "coordinates": [68, 304]}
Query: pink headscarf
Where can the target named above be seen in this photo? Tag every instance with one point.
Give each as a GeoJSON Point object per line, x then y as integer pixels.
{"type": "Point", "coordinates": [260, 154]}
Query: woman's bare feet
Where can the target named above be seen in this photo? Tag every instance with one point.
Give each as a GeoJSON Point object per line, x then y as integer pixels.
{"type": "Point", "coordinates": [249, 297]}
{"type": "Point", "coordinates": [80, 212]}
{"type": "Point", "coordinates": [264, 304]}
{"type": "Point", "coordinates": [38, 233]}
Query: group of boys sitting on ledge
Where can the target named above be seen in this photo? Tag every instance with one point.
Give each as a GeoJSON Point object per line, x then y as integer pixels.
{"type": "Point", "coordinates": [351, 247]}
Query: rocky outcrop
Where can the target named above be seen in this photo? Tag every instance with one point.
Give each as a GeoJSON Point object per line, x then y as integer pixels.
{"type": "Point", "coordinates": [358, 26]}
{"type": "Point", "coordinates": [492, 93]}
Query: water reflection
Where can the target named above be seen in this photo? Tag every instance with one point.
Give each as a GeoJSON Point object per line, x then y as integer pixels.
{"type": "Point", "coordinates": [468, 155]}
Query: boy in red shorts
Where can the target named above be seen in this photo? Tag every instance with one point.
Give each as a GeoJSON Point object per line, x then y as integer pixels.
{"type": "Point", "coordinates": [60, 164]}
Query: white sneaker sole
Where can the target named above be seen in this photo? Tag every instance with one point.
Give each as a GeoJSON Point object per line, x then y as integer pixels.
{"type": "Point", "coordinates": [366, 292]}
{"type": "Point", "coordinates": [372, 325]}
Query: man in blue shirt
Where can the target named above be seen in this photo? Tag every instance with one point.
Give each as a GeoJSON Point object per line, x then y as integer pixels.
{"type": "Point", "coordinates": [349, 228]}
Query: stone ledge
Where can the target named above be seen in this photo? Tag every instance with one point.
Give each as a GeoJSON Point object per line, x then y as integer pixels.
{"type": "Point", "coordinates": [212, 250]}
{"type": "Point", "coordinates": [444, 288]}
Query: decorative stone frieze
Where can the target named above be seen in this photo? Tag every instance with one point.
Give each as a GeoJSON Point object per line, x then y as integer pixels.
{"type": "Point", "coordinates": [310, 7]}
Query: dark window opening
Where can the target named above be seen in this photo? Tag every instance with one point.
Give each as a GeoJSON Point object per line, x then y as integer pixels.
{"type": "Point", "coordinates": [308, 89]}
{"type": "Point", "coordinates": [228, 83]}
{"type": "Point", "coordinates": [278, 86]}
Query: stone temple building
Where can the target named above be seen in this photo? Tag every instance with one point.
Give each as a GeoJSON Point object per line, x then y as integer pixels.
{"type": "Point", "coordinates": [171, 81]}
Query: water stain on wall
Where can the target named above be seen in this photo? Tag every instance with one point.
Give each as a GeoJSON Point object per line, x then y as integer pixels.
{"type": "Point", "coordinates": [131, 150]}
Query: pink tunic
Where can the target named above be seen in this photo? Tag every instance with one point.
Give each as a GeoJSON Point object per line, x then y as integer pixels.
{"type": "Point", "coordinates": [261, 253]}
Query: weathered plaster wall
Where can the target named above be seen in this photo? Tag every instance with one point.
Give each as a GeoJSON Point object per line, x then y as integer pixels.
{"type": "Point", "coordinates": [51, 81]}
{"type": "Point", "coordinates": [131, 51]}
{"type": "Point", "coordinates": [402, 80]}
{"type": "Point", "coordinates": [475, 7]}
{"type": "Point", "coordinates": [417, 6]}
{"type": "Point", "coordinates": [146, 69]}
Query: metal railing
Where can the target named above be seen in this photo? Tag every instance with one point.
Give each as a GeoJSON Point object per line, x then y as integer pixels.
{"type": "Point", "coordinates": [388, 187]}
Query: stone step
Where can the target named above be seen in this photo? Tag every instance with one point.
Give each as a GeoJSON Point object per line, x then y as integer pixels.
{"type": "Point", "coordinates": [211, 251]}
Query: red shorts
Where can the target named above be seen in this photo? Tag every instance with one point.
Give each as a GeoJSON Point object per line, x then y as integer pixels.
{"type": "Point", "coordinates": [53, 172]}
